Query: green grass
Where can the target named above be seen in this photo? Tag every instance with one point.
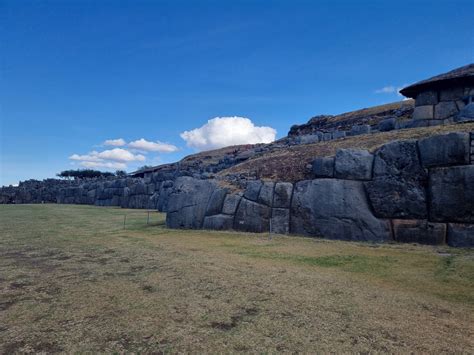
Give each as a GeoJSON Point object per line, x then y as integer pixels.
{"type": "Point", "coordinates": [74, 279]}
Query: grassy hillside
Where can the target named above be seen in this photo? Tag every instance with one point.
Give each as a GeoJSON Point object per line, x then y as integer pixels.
{"type": "Point", "coordinates": [72, 279]}
{"type": "Point", "coordinates": [289, 164]}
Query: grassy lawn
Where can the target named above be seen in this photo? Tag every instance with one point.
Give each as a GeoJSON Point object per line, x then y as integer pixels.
{"type": "Point", "coordinates": [73, 279]}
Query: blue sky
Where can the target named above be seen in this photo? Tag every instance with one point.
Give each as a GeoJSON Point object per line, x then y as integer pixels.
{"type": "Point", "coordinates": [77, 73]}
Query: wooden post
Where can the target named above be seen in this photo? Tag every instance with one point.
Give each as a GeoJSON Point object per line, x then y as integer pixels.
{"type": "Point", "coordinates": [124, 220]}
{"type": "Point", "coordinates": [148, 218]}
{"type": "Point", "coordinates": [270, 235]}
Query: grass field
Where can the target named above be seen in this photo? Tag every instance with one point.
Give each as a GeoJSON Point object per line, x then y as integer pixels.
{"type": "Point", "coordinates": [72, 279]}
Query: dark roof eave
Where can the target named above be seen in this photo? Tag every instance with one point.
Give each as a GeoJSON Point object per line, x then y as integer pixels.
{"type": "Point", "coordinates": [413, 90]}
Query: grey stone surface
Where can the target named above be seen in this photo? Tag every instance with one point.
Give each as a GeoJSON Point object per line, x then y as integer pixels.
{"type": "Point", "coordinates": [309, 139]}
{"type": "Point", "coordinates": [188, 202]}
{"type": "Point", "coordinates": [353, 164]}
{"type": "Point", "coordinates": [414, 123]}
{"type": "Point", "coordinates": [460, 104]}
{"type": "Point", "coordinates": [280, 221]}
{"type": "Point", "coordinates": [153, 201]}
{"type": "Point", "coordinates": [419, 231]}
{"type": "Point", "coordinates": [466, 114]}
{"type": "Point", "coordinates": [388, 124]}
{"type": "Point", "coordinates": [165, 190]}
{"type": "Point", "coordinates": [265, 196]}
{"type": "Point", "coordinates": [360, 129]}
{"type": "Point", "coordinates": [452, 194]}
{"type": "Point", "coordinates": [445, 109]}
{"type": "Point", "coordinates": [252, 217]}
{"type": "Point", "coordinates": [253, 190]}
{"type": "Point", "coordinates": [230, 204]}
{"type": "Point", "coordinates": [323, 167]}
{"type": "Point", "coordinates": [282, 194]}
{"type": "Point", "coordinates": [446, 149]}
{"type": "Point", "coordinates": [427, 98]}
{"type": "Point", "coordinates": [451, 94]}
{"type": "Point", "coordinates": [460, 235]}
{"type": "Point", "coordinates": [218, 222]}
{"type": "Point", "coordinates": [423, 112]}
{"type": "Point", "coordinates": [398, 188]}
{"type": "Point", "coordinates": [327, 136]}
{"type": "Point", "coordinates": [216, 202]}
{"type": "Point", "coordinates": [338, 134]}
{"type": "Point", "coordinates": [336, 209]}
{"type": "Point", "coordinates": [150, 188]}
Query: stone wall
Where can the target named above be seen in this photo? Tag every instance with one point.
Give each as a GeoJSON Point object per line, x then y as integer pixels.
{"type": "Point", "coordinates": [432, 108]}
{"type": "Point", "coordinates": [150, 192]}
{"type": "Point", "coordinates": [441, 105]}
{"type": "Point", "coordinates": [34, 191]}
{"type": "Point", "coordinates": [406, 191]}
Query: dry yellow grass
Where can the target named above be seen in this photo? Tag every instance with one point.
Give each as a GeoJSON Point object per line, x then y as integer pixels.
{"type": "Point", "coordinates": [73, 280]}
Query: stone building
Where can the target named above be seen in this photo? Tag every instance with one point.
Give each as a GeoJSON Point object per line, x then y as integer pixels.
{"type": "Point", "coordinates": [444, 97]}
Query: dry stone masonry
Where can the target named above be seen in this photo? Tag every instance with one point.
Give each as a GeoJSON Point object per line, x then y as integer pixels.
{"type": "Point", "coordinates": [406, 191]}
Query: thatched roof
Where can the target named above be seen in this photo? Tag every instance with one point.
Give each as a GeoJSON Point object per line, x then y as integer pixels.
{"type": "Point", "coordinates": [459, 76]}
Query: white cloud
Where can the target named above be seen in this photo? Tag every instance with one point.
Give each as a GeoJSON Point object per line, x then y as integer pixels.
{"type": "Point", "coordinates": [92, 156]}
{"type": "Point", "coordinates": [157, 146]}
{"type": "Point", "coordinates": [390, 89]}
{"type": "Point", "coordinates": [115, 142]}
{"type": "Point", "coordinates": [387, 90]}
{"type": "Point", "coordinates": [225, 131]}
{"type": "Point", "coordinates": [119, 154]}
{"type": "Point", "coordinates": [116, 158]}
{"type": "Point", "coordinates": [103, 164]}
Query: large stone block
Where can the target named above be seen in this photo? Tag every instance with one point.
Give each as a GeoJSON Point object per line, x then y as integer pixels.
{"type": "Point", "coordinates": [414, 124]}
{"type": "Point", "coordinates": [466, 114]}
{"type": "Point", "coordinates": [419, 231]}
{"type": "Point", "coordinates": [388, 124]}
{"type": "Point", "coordinates": [392, 198]}
{"type": "Point", "coordinates": [426, 98]}
{"type": "Point", "coordinates": [338, 134]}
{"type": "Point", "coordinates": [398, 188]}
{"type": "Point", "coordinates": [353, 164]}
{"type": "Point", "coordinates": [265, 196]}
{"type": "Point", "coordinates": [218, 222]}
{"type": "Point", "coordinates": [139, 189]}
{"type": "Point", "coordinates": [323, 167]}
{"type": "Point", "coordinates": [425, 112]}
{"type": "Point", "coordinates": [336, 209]}
{"type": "Point", "coordinates": [216, 202]}
{"type": "Point", "coordinates": [188, 202]}
{"type": "Point", "coordinates": [360, 129]}
{"type": "Point", "coordinates": [166, 189]}
{"type": "Point", "coordinates": [150, 188]}
{"type": "Point", "coordinates": [445, 109]}
{"type": "Point", "coordinates": [461, 235]}
{"type": "Point", "coordinates": [230, 204]}
{"type": "Point", "coordinates": [280, 221]}
{"type": "Point", "coordinates": [308, 139]}
{"type": "Point", "coordinates": [327, 136]}
{"type": "Point", "coordinates": [252, 217]}
{"type": "Point", "coordinates": [153, 201]}
{"type": "Point", "coordinates": [451, 94]}
{"type": "Point", "coordinates": [253, 190]}
{"type": "Point", "coordinates": [282, 194]}
{"type": "Point", "coordinates": [399, 159]}
{"type": "Point", "coordinates": [446, 149]}
{"type": "Point", "coordinates": [452, 194]}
